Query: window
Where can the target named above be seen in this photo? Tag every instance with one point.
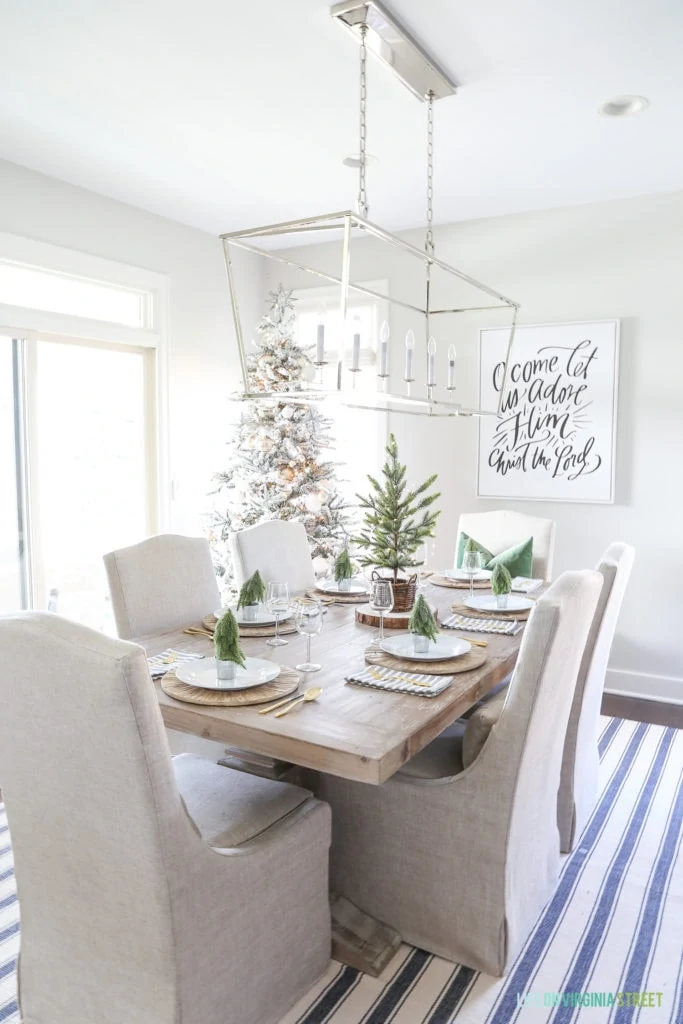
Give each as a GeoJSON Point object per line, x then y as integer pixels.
{"type": "Point", "coordinates": [87, 467]}
{"type": "Point", "coordinates": [81, 396]}
{"type": "Point", "coordinates": [36, 288]}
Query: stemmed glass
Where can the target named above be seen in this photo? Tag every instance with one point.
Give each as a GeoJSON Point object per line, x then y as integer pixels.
{"type": "Point", "coordinates": [471, 565]}
{"type": "Point", "coordinates": [308, 617]}
{"type": "Point", "coordinates": [277, 602]}
{"type": "Point", "coordinates": [381, 600]}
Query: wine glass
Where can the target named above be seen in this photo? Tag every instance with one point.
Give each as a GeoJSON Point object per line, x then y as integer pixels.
{"type": "Point", "coordinates": [471, 565]}
{"type": "Point", "coordinates": [277, 602]}
{"type": "Point", "coordinates": [381, 600]}
{"type": "Point", "coordinates": [308, 617]}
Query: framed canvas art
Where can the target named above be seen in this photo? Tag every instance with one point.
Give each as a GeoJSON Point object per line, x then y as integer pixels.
{"type": "Point", "coordinates": [555, 439]}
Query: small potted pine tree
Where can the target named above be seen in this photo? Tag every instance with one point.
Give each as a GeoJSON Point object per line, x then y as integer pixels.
{"type": "Point", "coordinates": [422, 626]}
{"type": "Point", "coordinates": [396, 523]}
{"type": "Point", "coordinates": [343, 570]}
{"type": "Point", "coordinates": [501, 585]}
{"type": "Point", "coordinates": [227, 644]}
{"type": "Point", "coordinates": [252, 593]}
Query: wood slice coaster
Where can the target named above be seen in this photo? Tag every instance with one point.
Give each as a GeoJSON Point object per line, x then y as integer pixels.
{"type": "Point", "coordinates": [392, 620]}
{"type": "Point", "coordinates": [495, 613]}
{"type": "Point", "coordinates": [446, 581]}
{"type": "Point", "coordinates": [465, 663]}
{"type": "Point", "coordinates": [246, 631]}
{"type": "Point", "coordinates": [286, 683]}
{"type": "Point", "coordinates": [321, 595]}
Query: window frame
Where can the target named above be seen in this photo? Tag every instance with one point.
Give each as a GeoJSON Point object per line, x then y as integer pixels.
{"type": "Point", "coordinates": [30, 325]}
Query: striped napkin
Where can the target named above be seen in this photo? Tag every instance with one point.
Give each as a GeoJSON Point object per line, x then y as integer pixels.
{"type": "Point", "coordinates": [400, 682]}
{"type": "Point", "coordinates": [169, 660]}
{"type": "Point", "coordinates": [508, 627]}
{"type": "Point", "coordinates": [523, 585]}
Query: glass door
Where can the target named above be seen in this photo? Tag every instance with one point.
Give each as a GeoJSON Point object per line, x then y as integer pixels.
{"type": "Point", "coordinates": [13, 563]}
{"type": "Point", "coordinates": [78, 464]}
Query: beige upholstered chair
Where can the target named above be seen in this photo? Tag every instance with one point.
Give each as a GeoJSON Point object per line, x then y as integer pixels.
{"type": "Point", "coordinates": [278, 549]}
{"type": "Point", "coordinates": [500, 530]}
{"type": "Point", "coordinates": [580, 762]}
{"type": "Point", "coordinates": [579, 782]}
{"type": "Point", "coordinates": [152, 891]}
{"type": "Point", "coordinates": [160, 584]}
{"type": "Point", "coordinates": [462, 864]}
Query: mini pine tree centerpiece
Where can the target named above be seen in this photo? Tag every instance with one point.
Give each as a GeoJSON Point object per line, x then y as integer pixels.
{"type": "Point", "coordinates": [229, 654]}
{"type": "Point", "coordinates": [251, 594]}
{"type": "Point", "coordinates": [343, 569]}
{"type": "Point", "coordinates": [396, 522]}
{"type": "Point", "coordinates": [501, 585]}
{"type": "Point", "coordinates": [422, 626]}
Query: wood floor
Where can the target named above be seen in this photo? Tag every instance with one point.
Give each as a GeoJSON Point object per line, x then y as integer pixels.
{"type": "Point", "coordinates": [656, 712]}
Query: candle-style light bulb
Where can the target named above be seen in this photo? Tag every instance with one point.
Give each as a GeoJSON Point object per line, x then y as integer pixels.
{"type": "Point", "coordinates": [384, 332]}
{"type": "Point", "coordinates": [451, 368]}
{"type": "Point", "coordinates": [431, 363]}
{"type": "Point", "coordinates": [320, 343]}
{"type": "Point", "coordinates": [355, 351]}
{"type": "Point", "coordinates": [410, 345]}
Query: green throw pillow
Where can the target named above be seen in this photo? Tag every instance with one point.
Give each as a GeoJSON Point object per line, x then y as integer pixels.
{"type": "Point", "coordinates": [518, 560]}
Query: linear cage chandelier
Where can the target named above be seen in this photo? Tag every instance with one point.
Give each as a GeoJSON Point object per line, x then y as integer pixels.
{"type": "Point", "coordinates": [347, 251]}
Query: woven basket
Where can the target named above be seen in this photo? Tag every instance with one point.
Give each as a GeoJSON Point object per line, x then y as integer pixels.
{"type": "Point", "coordinates": [405, 591]}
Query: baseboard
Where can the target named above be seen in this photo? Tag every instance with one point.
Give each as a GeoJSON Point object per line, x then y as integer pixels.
{"type": "Point", "coordinates": [623, 683]}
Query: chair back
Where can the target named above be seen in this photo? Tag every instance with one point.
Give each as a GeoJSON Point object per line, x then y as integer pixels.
{"type": "Point", "coordinates": [580, 763]}
{"type": "Point", "coordinates": [162, 583]}
{"type": "Point", "coordinates": [94, 815]}
{"type": "Point", "coordinates": [521, 760]}
{"type": "Point", "coordinates": [502, 529]}
{"type": "Point", "coordinates": [278, 549]}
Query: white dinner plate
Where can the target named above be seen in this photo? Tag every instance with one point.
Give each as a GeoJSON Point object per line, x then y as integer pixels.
{"type": "Point", "coordinates": [489, 603]}
{"type": "Point", "coordinates": [263, 616]}
{"type": "Point", "coordinates": [403, 647]}
{"type": "Point", "coordinates": [332, 587]}
{"type": "Point", "coordinates": [458, 574]}
{"type": "Point", "coordinates": [203, 674]}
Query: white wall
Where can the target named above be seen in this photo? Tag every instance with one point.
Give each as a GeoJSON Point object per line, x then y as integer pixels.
{"type": "Point", "coordinates": [619, 260]}
{"type": "Point", "coordinates": [202, 357]}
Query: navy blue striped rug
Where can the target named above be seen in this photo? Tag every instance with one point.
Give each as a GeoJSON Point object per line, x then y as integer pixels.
{"type": "Point", "coordinates": [613, 927]}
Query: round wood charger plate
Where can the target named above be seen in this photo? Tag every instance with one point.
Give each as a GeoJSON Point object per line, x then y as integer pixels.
{"type": "Point", "coordinates": [286, 683]}
{"type": "Point", "coordinates": [246, 631]}
{"type": "Point", "coordinates": [465, 663]}
{"type": "Point", "coordinates": [392, 620]}
{"type": "Point", "coordinates": [446, 581]}
{"type": "Point", "coordinates": [495, 613]}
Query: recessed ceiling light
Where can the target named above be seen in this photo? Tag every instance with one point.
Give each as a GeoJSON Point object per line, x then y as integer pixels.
{"type": "Point", "coordinates": [624, 106]}
{"type": "Point", "coordinates": [353, 160]}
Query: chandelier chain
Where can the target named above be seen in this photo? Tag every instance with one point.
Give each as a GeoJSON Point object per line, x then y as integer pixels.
{"type": "Point", "coordinates": [362, 185]}
{"type": "Point", "coordinates": [429, 241]}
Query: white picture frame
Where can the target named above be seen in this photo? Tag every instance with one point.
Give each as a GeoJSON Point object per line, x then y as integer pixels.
{"type": "Point", "coordinates": [555, 439]}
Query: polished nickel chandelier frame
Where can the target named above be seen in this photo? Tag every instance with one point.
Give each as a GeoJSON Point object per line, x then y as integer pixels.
{"type": "Point", "coordinates": [379, 32]}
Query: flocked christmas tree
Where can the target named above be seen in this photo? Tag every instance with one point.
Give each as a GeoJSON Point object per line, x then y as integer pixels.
{"type": "Point", "coordinates": [278, 467]}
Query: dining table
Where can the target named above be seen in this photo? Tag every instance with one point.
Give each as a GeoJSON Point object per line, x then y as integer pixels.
{"type": "Point", "coordinates": [355, 732]}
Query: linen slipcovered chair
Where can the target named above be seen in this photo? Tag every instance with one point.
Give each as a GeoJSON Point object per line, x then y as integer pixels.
{"type": "Point", "coordinates": [578, 790]}
{"type": "Point", "coordinates": [461, 862]}
{"type": "Point", "coordinates": [278, 549]}
{"type": "Point", "coordinates": [162, 583]}
{"type": "Point", "coordinates": [152, 891]}
{"type": "Point", "coordinates": [580, 765]}
{"type": "Point", "coordinates": [502, 529]}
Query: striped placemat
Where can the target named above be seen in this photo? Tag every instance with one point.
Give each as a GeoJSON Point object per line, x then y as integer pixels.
{"type": "Point", "coordinates": [472, 625]}
{"type": "Point", "coordinates": [421, 685]}
{"type": "Point", "coordinates": [168, 661]}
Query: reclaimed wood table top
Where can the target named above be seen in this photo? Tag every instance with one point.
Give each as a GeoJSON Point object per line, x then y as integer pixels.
{"type": "Point", "coordinates": [352, 731]}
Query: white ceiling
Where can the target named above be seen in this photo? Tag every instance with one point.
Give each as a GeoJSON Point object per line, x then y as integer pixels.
{"type": "Point", "coordinates": [225, 114]}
